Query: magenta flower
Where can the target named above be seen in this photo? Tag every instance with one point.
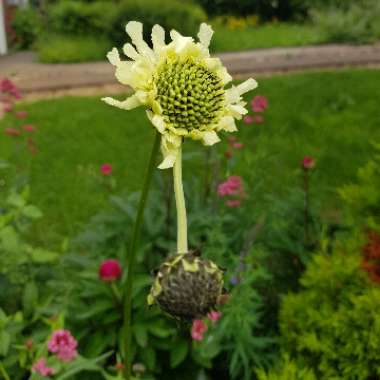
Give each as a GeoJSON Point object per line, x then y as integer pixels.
{"type": "Point", "coordinates": [64, 345]}
{"type": "Point", "coordinates": [21, 114]}
{"type": "Point", "coordinates": [8, 87]}
{"type": "Point", "coordinates": [12, 132]}
{"type": "Point", "coordinates": [29, 128]}
{"type": "Point", "coordinates": [40, 367]}
{"type": "Point", "coordinates": [106, 169]}
{"type": "Point", "coordinates": [237, 145]}
{"type": "Point", "coordinates": [233, 203]}
{"type": "Point", "coordinates": [233, 186]}
{"type": "Point", "coordinates": [258, 119]}
{"type": "Point", "coordinates": [110, 270]}
{"type": "Point", "coordinates": [7, 107]}
{"type": "Point", "coordinates": [259, 103]}
{"type": "Point", "coordinates": [198, 329]}
{"type": "Point", "coordinates": [248, 119]}
{"type": "Point", "coordinates": [307, 163]}
{"type": "Point", "coordinates": [214, 316]}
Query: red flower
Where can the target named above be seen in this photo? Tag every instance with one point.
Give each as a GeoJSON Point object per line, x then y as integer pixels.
{"type": "Point", "coordinates": [109, 270]}
{"type": "Point", "coordinates": [41, 368]}
{"type": "Point", "coordinates": [308, 163]}
{"type": "Point", "coordinates": [214, 316]}
{"type": "Point", "coordinates": [233, 203]}
{"type": "Point", "coordinates": [29, 128]}
{"type": "Point", "coordinates": [248, 119]}
{"type": "Point", "coordinates": [259, 103]}
{"type": "Point", "coordinates": [198, 329]}
{"type": "Point", "coordinates": [258, 119]}
{"type": "Point", "coordinates": [64, 345]}
{"type": "Point", "coordinates": [12, 132]}
{"type": "Point", "coordinates": [106, 169]}
{"type": "Point", "coordinates": [237, 145]}
{"type": "Point", "coordinates": [371, 257]}
{"type": "Point", "coordinates": [7, 107]}
{"type": "Point", "coordinates": [21, 114]}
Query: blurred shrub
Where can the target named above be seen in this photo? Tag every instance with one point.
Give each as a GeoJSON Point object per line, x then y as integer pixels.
{"type": "Point", "coordinates": [59, 48]}
{"type": "Point", "coordinates": [333, 325]}
{"type": "Point", "coordinates": [357, 23]}
{"type": "Point", "coordinates": [170, 14]}
{"type": "Point", "coordinates": [77, 17]}
{"type": "Point", "coordinates": [286, 369]}
{"type": "Point", "coordinates": [26, 25]}
{"type": "Point", "coordinates": [266, 9]}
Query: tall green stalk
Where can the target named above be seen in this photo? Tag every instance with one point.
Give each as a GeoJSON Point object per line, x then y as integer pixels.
{"type": "Point", "coordinates": [131, 259]}
{"type": "Point", "coordinates": [180, 204]}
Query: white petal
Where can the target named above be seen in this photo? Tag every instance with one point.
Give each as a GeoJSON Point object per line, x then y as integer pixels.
{"type": "Point", "coordinates": [205, 34]}
{"type": "Point", "coordinates": [168, 161]}
{"type": "Point", "coordinates": [130, 51]}
{"type": "Point", "coordinates": [157, 121]}
{"type": "Point", "coordinates": [232, 95]}
{"type": "Point", "coordinates": [227, 123]}
{"type": "Point", "coordinates": [223, 75]}
{"type": "Point", "coordinates": [123, 72]}
{"type": "Point", "coordinates": [237, 110]}
{"type": "Point", "coordinates": [158, 37]}
{"type": "Point", "coordinates": [114, 57]}
{"type": "Point", "coordinates": [180, 42]}
{"type": "Point", "coordinates": [248, 85]}
{"type": "Point", "coordinates": [210, 138]}
{"type": "Point", "coordinates": [169, 148]}
{"type": "Point", "coordinates": [127, 104]}
{"type": "Point", "coordinates": [135, 31]}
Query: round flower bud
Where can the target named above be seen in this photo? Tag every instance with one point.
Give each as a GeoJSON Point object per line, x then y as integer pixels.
{"type": "Point", "coordinates": [187, 287]}
{"type": "Point", "coordinates": [109, 270]}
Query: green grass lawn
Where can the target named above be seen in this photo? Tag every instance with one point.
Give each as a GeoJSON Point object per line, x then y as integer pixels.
{"type": "Point", "coordinates": [333, 117]}
{"type": "Point", "coordinates": [264, 36]}
{"type": "Point", "coordinates": [56, 48]}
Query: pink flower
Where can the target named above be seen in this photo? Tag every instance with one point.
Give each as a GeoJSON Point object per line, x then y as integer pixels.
{"type": "Point", "coordinates": [233, 186]}
{"type": "Point", "coordinates": [29, 128]}
{"type": "Point", "coordinates": [7, 107]}
{"type": "Point", "coordinates": [258, 119]}
{"type": "Point", "coordinates": [109, 270]}
{"type": "Point", "coordinates": [214, 316]}
{"type": "Point", "coordinates": [233, 203]}
{"type": "Point", "coordinates": [259, 103]}
{"type": "Point", "coordinates": [12, 132]}
{"type": "Point", "coordinates": [106, 169]}
{"type": "Point", "coordinates": [198, 329]}
{"type": "Point", "coordinates": [307, 163]}
{"type": "Point", "coordinates": [21, 114]}
{"type": "Point", "coordinates": [64, 345]}
{"type": "Point", "coordinates": [237, 145]}
{"type": "Point", "coordinates": [248, 119]}
{"type": "Point", "coordinates": [40, 367]}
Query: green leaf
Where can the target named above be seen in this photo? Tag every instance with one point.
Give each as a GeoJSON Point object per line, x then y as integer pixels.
{"type": "Point", "coordinates": [29, 298]}
{"type": "Point", "coordinates": [178, 353]}
{"type": "Point", "coordinates": [149, 357]}
{"type": "Point", "coordinates": [97, 307]}
{"type": "Point", "coordinates": [32, 212]}
{"type": "Point", "coordinates": [141, 334]}
{"type": "Point", "coordinates": [5, 341]}
{"type": "Point", "coordinates": [42, 256]}
{"type": "Point", "coordinates": [16, 200]}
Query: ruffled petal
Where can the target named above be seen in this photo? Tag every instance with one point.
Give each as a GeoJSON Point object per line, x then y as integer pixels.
{"type": "Point", "coordinates": [210, 138]}
{"type": "Point", "coordinates": [114, 57]}
{"type": "Point", "coordinates": [248, 85]}
{"type": "Point", "coordinates": [157, 121]}
{"type": "Point", "coordinates": [130, 52]}
{"type": "Point", "coordinates": [205, 34]}
{"type": "Point", "coordinates": [237, 110]}
{"type": "Point", "coordinates": [227, 123]}
{"type": "Point", "coordinates": [158, 37]}
{"type": "Point", "coordinates": [135, 31]}
{"type": "Point", "coordinates": [123, 72]}
{"type": "Point", "coordinates": [169, 148]}
{"type": "Point", "coordinates": [180, 42]}
{"type": "Point", "coordinates": [127, 104]}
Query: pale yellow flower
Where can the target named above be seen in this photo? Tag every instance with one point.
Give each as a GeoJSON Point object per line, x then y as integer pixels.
{"type": "Point", "coordinates": [182, 87]}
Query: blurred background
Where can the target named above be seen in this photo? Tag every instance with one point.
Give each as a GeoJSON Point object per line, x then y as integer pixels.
{"type": "Point", "coordinates": [289, 205]}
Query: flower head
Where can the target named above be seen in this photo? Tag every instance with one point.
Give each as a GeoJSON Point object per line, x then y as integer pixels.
{"type": "Point", "coordinates": [198, 329]}
{"type": "Point", "coordinates": [233, 186]}
{"type": "Point", "coordinates": [106, 169]}
{"type": "Point", "coordinates": [64, 345]}
{"type": "Point", "coordinates": [29, 128]}
{"type": "Point", "coordinates": [248, 119]}
{"type": "Point", "coordinates": [7, 107]}
{"type": "Point", "coordinates": [308, 163]}
{"type": "Point", "coordinates": [259, 103]}
{"type": "Point", "coordinates": [12, 132]}
{"type": "Point", "coordinates": [40, 367]}
{"type": "Point", "coordinates": [181, 86]}
{"type": "Point", "coordinates": [258, 119]}
{"type": "Point", "coordinates": [109, 270]}
{"type": "Point", "coordinates": [21, 114]}
{"type": "Point", "coordinates": [214, 316]}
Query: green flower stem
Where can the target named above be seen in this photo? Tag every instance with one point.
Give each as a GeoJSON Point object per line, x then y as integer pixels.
{"type": "Point", "coordinates": [3, 372]}
{"type": "Point", "coordinates": [181, 206]}
{"type": "Point", "coordinates": [131, 259]}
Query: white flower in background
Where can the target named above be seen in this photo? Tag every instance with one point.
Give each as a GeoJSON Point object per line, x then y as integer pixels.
{"type": "Point", "coordinates": [181, 85]}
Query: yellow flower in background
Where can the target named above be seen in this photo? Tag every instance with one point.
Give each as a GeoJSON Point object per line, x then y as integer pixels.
{"type": "Point", "coordinates": [181, 85]}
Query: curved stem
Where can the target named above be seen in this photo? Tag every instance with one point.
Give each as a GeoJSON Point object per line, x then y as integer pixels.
{"type": "Point", "coordinates": [181, 206]}
{"type": "Point", "coordinates": [131, 259]}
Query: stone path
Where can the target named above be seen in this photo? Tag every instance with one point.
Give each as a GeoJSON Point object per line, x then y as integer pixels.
{"type": "Point", "coordinates": [41, 80]}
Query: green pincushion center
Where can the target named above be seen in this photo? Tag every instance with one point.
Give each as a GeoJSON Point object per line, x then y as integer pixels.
{"type": "Point", "coordinates": [190, 96]}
